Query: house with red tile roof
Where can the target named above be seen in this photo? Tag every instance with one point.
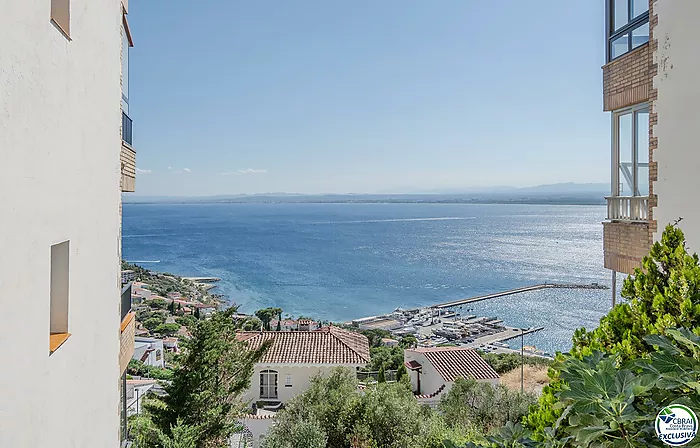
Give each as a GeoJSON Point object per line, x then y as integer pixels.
{"type": "Point", "coordinates": [296, 356]}
{"type": "Point", "coordinates": [434, 370]}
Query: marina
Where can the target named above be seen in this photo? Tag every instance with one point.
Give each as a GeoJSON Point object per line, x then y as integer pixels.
{"type": "Point", "coordinates": [449, 323]}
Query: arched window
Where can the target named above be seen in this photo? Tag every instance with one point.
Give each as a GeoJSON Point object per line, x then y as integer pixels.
{"type": "Point", "coordinates": [268, 384]}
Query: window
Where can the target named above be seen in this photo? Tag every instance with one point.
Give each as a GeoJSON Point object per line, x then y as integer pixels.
{"type": "Point", "coordinates": [58, 321]}
{"type": "Point", "coordinates": [628, 26]}
{"type": "Point", "coordinates": [125, 69]}
{"type": "Point", "coordinates": [288, 380]}
{"type": "Point", "coordinates": [158, 355]}
{"type": "Point", "coordinates": [60, 15]}
{"type": "Point", "coordinates": [268, 384]}
{"type": "Point", "coordinates": [631, 152]}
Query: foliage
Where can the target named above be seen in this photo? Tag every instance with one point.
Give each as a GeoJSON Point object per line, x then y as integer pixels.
{"type": "Point", "coordinates": [250, 324]}
{"type": "Point", "coordinates": [197, 314]}
{"type": "Point", "coordinates": [153, 322]}
{"type": "Point", "coordinates": [214, 370]}
{"type": "Point", "coordinates": [471, 403]}
{"type": "Point", "coordinates": [609, 402]}
{"type": "Point", "coordinates": [505, 362]}
{"type": "Point", "coordinates": [186, 320]}
{"type": "Point", "coordinates": [387, 358]}
{"type": "Point", "coordinates": [138, 368]}
{"type": "Point", "coordinates": [302, 434]}
{"type": "Point", "coordinates": [381, 375]}
{"type": "Point", "coordinates": [267, 314]}
{"type": "Point", "coordinates": [386, 415]}
{"type": "Point", "coordinates": [408, 341]}
{"type": "Point", "coordinates": [171, 307]}
{"type": "Point", "coordinates": [375, 336]}
{"type": "Point", "coordinates": [665, 293]}
{"type": "Point", "coordinates": [167, 329]}
{"type": "Point", "coordinates": [157, 303]}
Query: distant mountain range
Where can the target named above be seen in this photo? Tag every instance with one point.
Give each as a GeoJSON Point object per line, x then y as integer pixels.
{"type": "Point", "coordinates": [563, 193]}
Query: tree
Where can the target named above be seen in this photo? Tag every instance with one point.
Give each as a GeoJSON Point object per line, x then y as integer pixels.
{"type": "Point", "coordinates": [505, 362]}
{"type": "Point", "coordinates": [279, 325]}
{"type": "Point", "coordinates": [408, 341]}
{"type": "Point", "coordinates": [375, 336]}
{"type": "Point", "coordinates": [214, 370]}
{"type": "Point", "coordinates": [197, 314]}
{"type": "Point", "coordinates": [171, 307]}
{"type": "Point", "coordinates": [381, 376]}
{"type": "Point", "coordinates": [152, 323]}
{"type": "Point", "coordinates": [665, 293]}
{"type": "Point", "coordinates": [167, 329]}
{"type": "Point", "coordinates": [302, 434]}
{"type": "Point", "coordinates": [388, 358]}
{"type": "Point", "coordinates": [267, 314]}
{"type": "Point", "coordinates": [470, 403]}
{"type": "Point", "coordinates": [157, 303]}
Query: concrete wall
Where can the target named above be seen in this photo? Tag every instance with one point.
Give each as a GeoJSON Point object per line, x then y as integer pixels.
{"type": "Point", "coordinates": [60, 142]}
{"type": "Point", "coordinates": [301, 379]}
{"type": "Point", "coordinates": [677, 152]}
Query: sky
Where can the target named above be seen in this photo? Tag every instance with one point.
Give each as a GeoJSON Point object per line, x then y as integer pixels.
{"type": "Point", "coordinates": [366, 96]}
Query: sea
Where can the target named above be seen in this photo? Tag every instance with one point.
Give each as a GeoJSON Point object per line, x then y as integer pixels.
{"type": "Point", "coordinates": [341, 261]}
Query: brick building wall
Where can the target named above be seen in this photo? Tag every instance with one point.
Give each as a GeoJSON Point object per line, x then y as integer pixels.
{"type": "Point", "coordinates": [627, 80]}
{"type": "Point", "coordinates": [624, 245]}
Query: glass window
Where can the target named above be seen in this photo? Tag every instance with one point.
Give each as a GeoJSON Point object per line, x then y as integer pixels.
{"type": "Point", "coordinates": [640, 36]}
{"type": "Point", "coordinates": [620, 13]}
{"type": "Point", "coordinates": [626, 154]}
{"type": "Point", "coordinates": [125, 71]}
{"type": "Point", "coordinates": [639, 7]}
{"type": "Point", "coordinates": [288, 381]}
{"type": "Point", "coordinates": [632, 149]}
{"type": "Point", "coordinates": [620, 46]}
{"type": "Point", "coordinates": [268, 384]}
{"type": "Point", "coordinates": [643, 153]}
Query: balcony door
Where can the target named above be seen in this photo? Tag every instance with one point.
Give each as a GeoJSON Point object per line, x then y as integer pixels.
{"type": "Point", "coordinates": [630, 170]}
{"type": "Point", "coordinates": [268, 384]}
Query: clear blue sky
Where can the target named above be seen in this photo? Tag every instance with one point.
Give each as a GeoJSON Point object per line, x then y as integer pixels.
{"type": "Point", "coordinates": [318, 96]}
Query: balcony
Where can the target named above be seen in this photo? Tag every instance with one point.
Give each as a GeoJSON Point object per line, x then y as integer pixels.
{"type": "Point", "coordinates": [127, 329]}
{"type": "Point", "coordinates": [127, 156]}
{"type": "Point", "coordinates": [628, 208]}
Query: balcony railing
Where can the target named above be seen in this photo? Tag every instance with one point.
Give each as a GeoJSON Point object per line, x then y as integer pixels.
{"type": "Point", "coordinates": [126, 129]}
{"type": "Point", "coordinates": [126, 301]}
{"type": "Point", "coordinates": [629, 208]}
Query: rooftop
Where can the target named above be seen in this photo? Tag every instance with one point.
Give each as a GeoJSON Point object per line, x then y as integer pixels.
{"type": "Point", "coordinates": [458, 362]}
{"type": "Point", "coordinates": [327, 345]}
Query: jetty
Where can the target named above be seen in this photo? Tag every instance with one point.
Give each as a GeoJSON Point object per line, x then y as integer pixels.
{"type": "Point", "coordinates": [203, 279]}
{"type": "Point", "coordinates": [509, 292]}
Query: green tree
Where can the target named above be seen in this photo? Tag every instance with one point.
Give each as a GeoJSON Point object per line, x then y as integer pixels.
{"type": "Point", "coordinates": [665, 293]}
{"type": "Point", "coordinates": [167, 329]}
{"type": "Point", "coordinates": [152, 323]}
{"type": "Point", "coordinates": [388, 358]}
{"type": "Point", "coordinates": [481, 405]}
{"type": "Point", "coordinates": [505, 362]}
{"type": "Point", "coordinates": [197, 313]}
{"type": "Point", "coordinates": [279, 325]}
{"type": "Point", "coordinates": [408, 341]}
{"type": "Point", "coordinates": [381, 376]}
{"type": "Point", "coordinates": [171, 307]}
{"type": "Point", "coordinates": [267, 314]}
{"type": "Point", "coordinates": [157, 303]}
{"type": "Point", "coordinates": [302, 434]}
{"type": "Point", "coordinates": [214, 370]}
{"type": "Point", "coordinates": [375, 336]}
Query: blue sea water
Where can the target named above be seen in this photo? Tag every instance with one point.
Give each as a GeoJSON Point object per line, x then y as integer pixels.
{"type": "Point", "coordinates": [344, 261]}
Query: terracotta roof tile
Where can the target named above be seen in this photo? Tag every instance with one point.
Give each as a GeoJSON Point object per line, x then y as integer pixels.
{"type": "Point", "coordinates": [457, 362]}
{"type": "Point", "coordinates": [328, 345]}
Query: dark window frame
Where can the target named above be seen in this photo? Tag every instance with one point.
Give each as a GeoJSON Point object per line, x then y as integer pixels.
{"type": "Point", "coordinates": [633, 23]}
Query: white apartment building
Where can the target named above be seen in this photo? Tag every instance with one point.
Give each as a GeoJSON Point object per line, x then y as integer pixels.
{"type": "Point", "coordinates": [60, 201]}
{"type": "Point", "coordinates": [650, 87]}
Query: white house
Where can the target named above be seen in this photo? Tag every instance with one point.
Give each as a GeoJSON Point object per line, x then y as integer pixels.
{"type": "Point", "coordinates": [296, 356]}
{"type": "Point", "coordinates": [434, 370]}
{"type": "Point", "coordinates": [150, 351]}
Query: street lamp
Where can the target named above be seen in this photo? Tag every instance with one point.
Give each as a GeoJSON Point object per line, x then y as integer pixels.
{"type": "Point", "coordinates": [522, 360]}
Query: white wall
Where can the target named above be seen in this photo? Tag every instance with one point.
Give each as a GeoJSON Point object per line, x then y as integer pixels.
{"type": "Point", "coordinates": [301, 379]}
{"type": "Point", "coordinates": [60, 142]}
{"type": "Point", "coordinates": [678, 85]}
{"type": "Point", "coordinates": [430, 379]}
{"type": "Point", "coordinates": [141, 345]}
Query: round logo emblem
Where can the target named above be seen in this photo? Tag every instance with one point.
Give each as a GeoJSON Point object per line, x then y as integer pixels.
{"type": "Point", "coordinates": [676, 425]}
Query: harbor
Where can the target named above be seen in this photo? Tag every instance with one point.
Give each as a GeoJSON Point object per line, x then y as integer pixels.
{"type": "Point", "coordinates": [449, 323]}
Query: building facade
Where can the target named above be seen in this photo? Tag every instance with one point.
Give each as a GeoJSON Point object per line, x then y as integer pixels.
{"type": "Point", "coordinates": [649, 88]}
{"type": "Point", "coordinates": [61, 140]}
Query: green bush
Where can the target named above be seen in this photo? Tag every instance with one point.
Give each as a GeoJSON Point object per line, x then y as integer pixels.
{"type": "Point", "coordinates": [505, 362]}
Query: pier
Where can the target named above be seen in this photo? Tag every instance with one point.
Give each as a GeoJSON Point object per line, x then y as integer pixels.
{"type": "Point", "coordinates": [518, 291]}
{"type": "Point", "coordinates": [203, 279]}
